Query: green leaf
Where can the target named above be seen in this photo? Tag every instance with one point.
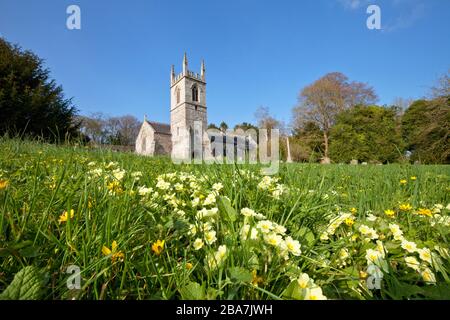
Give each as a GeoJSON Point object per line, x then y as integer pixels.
{"type": "Point", "coordinates": [193, 291]}
{"type": "Point", "coordinates": [239, 274]}
{"type": "Point", "coordinates": [26, 285]}
{"type": "Point", "coordinates": [226, 208]}
{"type": "Point", "coordinates": [309, 237]}
{"type": "Point", "coordinates": [293, 291]}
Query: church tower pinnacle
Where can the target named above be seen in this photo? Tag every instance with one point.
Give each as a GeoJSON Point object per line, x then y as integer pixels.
{"type": "Point", "coordinates": [185, 64]}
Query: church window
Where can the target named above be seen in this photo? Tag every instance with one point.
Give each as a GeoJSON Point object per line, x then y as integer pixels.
{"type": "Point", "coordinates": [178, 95]}
{"type": "Point", "coordinates": [194, 93]}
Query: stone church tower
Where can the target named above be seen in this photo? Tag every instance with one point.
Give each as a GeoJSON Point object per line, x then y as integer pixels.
{"type": "Point", "coordinates": [188, 113]}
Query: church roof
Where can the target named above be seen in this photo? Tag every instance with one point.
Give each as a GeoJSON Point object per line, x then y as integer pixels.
{"type": "Point", "coordinates": [160, 127]}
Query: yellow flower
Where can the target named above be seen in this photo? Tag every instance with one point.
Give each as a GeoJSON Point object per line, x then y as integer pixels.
{"type": "Point", "coordinates": [114, 187]}
{"type": "Point", "coordinates": [189, 266]}
{"type": "Point", "coordinates": [389, 212]}
{"type": "Point", "coordinates": [158, 247]}
{"type": "Point", "coordinates": [363, 274]}
{"type": "Point", "coordinates": [3, 184]}
{"type": "Point", "coordinates": [413, 178]}
{"type": "Point", "coordinates": [256, 280]}
{"type": "Point", "coordinates": [353, 210]}
{"type": "Point", "coordinates": [425, 212]}
{"type": "Point", "coordinates": [428, 276]}
{"type": "Point", "coordinates": [405, 207]}
{"type": "Point", "coordinates": [403, 181]}
{"type": "Point", "coordinates": [115, 254]}
{"type": "Point", "coordinates": [65, 216]}
{"type": "Point", "coordinates": [349, 222]}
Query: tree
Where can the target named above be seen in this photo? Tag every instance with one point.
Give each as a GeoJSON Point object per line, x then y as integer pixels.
{"type": "Point", "coordinates": [324, 99]}
{"type": "Point", "coordinates": [307, 142]}
{"type": "Point", "coordinates": [265, 119]}
{"type": "Point", "coordinates": [426, 130]}
{"type": "Point", "coordinates": [30, 102]}
{"type": "Point", "coordinates": [223, 126]}
{"type": "Point", "coordinates": [441, 89]}
{"type": "Point", "coordinates": [103, 129]}
{"type": "Point", "coordinates": [213, 126]}
{"type": "Point", "coordinates": [245, 126]}
{"type": "Point", "coordinates": [366, 134]}
{"type": "Point", "coordinates": [94, 127]}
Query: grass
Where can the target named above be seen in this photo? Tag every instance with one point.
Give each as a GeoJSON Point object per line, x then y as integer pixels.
{"type": "Point", "coordinates": [110, 204]}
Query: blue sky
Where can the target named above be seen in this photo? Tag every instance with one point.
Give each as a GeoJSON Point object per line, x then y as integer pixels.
{"type": "Point", "coordinates": [257, 52]}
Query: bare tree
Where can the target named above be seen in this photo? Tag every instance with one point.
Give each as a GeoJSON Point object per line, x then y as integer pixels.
{"type": "Point", "coordinates": [402, 104]}
{"type": "Point", "coordinates": [442, 87]}
{"type": "Point", "coordinates": [94, 127]}
{"type": "Point", "coordinates": [129, 129]}
{"type": "Point", "coordinates": [265, 120]}
{"type": "Point", "coordinates": [103, 129]}
{"type": "Point", "coordinates": [324, 99]}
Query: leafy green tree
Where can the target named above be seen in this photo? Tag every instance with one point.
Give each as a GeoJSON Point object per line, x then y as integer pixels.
{"type": "Point", "coordinates": [321, 101]}
{"type": "Point", "coordinates": [367, 134]}
{"type": "Point", "coordinates": [223, 126]}
{"type": "Point", "coordinates": [307, 142]}
{"type": "Point", "coordinates": [245, 126]}
{"type": "Point", "coordinates": [30, 102]}
{"type": "Point", "coordinates": [426, 130]}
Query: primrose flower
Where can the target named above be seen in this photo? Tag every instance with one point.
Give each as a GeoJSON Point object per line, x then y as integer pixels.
{"type": "Point", "coordinates": [409, 246]}
{"type": "Point", "coordinates": [210, 237]}
{"type": "Point", "coordinates": [413, 263]}
{"type": "Point", "coordinates": [265, 226]}
{"type": "Point", "coordinates": [368, 232]}
{"type": "Point", "coordinates": [279, 229]}
{"type": "Point", "coordinates": [217, 187]}
{"type": "Point", "coordinates": [304, 281]}
{"type": "Point", "coordinates": [143, 191]}
{"type": "Point", "coordinates": [210, 199]}
{"type": "Point", "coordinates": [293, 246]}
{"type": "Point", "coordinates": [158, 247]}
{"type": "Point", "coordinates": [395, 229]}
{"type": "Point", "coordinates": [425, 254]}
{"type": "Point", "coordinates": [314, 294]}
{"type": "Point", "coordinates": [246, 212]}
{"type": "Point", "coordinates": [273, 239]}
{"type": "Point", "coordinates": [198, 244]}
{"type": "Point", "coordinates": [65, 216]}
{"type": "Point", "coordinates": [428, 276]}
{"type": "Point", "coordinates": [373, 256]}
{"type": "Point", "coordinates": [136, 175]}
{"type": "Point", "coordinates": [162, 185]}
{"type": "Point", "coordinates": [343, 254]}
{"type": "Point", "coordinates": [115, 254]}
{"type": "Point", "coordinates": [403, 181]}
{"type": "Point", "coordinates": [119, 174]}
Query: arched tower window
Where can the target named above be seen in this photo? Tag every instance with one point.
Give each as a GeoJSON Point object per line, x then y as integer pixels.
{"type": "Point", "coordinates": [178, 94]}
{"type": "Point", "coordinates": [194, 93]}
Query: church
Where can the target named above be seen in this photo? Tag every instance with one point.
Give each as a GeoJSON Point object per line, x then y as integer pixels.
{"type": "Point", "coordinates": [186, 135]}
